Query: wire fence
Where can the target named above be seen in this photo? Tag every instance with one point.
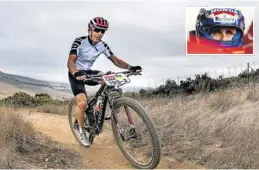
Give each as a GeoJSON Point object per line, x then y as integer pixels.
{"type": "Point", "coordinates": [227, 72]}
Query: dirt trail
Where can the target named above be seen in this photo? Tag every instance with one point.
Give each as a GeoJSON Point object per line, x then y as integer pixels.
{"type": "Point", "coordinates": [104, 153]}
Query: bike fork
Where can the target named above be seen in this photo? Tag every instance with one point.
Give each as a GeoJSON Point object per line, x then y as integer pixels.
{"type": "Point", "coordinates": [121, 131]}
{"type": "Point", "coordinates": [129, 116]}
{"type": "Point", "coordinates": [132, 131]}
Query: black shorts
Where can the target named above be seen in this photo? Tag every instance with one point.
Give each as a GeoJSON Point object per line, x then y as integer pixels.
{"type": "Point", "coordinates": [78, 86]}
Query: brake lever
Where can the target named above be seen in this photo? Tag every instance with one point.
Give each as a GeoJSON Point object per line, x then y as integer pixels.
{"type": "Point", "coordinates": [137, 73]}
{"type": "Point", "coordinates": [109, 72]}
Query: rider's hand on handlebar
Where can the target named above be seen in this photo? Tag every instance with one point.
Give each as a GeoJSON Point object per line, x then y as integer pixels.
{"type": "Point", "coordinates": [80, 75]}
{"type": "Point", "coordinates": [135, 69]}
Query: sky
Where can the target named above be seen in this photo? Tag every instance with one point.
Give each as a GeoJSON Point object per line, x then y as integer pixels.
{"type": "Point", "coordinates": [36, 36]}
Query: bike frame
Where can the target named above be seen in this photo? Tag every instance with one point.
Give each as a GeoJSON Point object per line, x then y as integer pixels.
{"type": "Point", "coordinates": [108, 99]}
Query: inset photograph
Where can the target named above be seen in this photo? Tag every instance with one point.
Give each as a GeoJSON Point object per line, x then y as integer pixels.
{"type": "Point", "coordinates": [219, 31]}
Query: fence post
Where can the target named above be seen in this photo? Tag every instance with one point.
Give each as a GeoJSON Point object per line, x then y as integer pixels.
{"type": "Point", "coordinates": [178, 79]}
{"type": "Point", "coordinates": [248, 72]}
{"type": "Point", "coordinates": [229, 71]}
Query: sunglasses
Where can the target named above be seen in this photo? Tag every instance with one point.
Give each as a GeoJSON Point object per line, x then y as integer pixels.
{"type": "Point", "coordinates": [99, 30]}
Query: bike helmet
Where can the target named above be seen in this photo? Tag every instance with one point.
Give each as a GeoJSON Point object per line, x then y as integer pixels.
{"type": "Point", "coordinates": [209, 19]}
{"type": "Point", "coordinates": [99, 23]}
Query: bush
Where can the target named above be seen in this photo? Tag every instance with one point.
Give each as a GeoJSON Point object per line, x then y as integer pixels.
{"type": "Point", "coordinates": [22, 99]}
{"type": "Point", "coordinates": [201, 83]}
{"type": "Point", "coordinates": [43, 98]}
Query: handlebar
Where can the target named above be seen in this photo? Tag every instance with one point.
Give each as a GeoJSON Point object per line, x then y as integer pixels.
{"type": "Point", "coordinates": [99, 76]}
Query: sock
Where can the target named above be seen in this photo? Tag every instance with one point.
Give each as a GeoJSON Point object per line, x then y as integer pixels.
{"type": "Point", "coordinates": [80, 130]}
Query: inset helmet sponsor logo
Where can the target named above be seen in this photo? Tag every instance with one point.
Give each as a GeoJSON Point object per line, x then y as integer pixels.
{"type": "Point", "coordinates": [224, 18]}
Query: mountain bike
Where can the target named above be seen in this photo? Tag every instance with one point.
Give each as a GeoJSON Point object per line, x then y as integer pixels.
{"type": "Point", "coordinates": [112, 94]}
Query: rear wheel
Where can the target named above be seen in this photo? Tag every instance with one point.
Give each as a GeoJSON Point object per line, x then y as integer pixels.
{"type": "Point", "coordinates": [139, 141]}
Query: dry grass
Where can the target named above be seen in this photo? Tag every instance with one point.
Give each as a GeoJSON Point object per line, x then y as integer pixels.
{"type": "Point", "coordinates": [219, 130]}
{"type": "Point", "coordinates": [23, 147]}
{"type": "Point", "coordinates": [253, 93]}
{"type": "Point", "coordinates": [60, 109]}
{"type": "Point", "coordinates": [222, 101]}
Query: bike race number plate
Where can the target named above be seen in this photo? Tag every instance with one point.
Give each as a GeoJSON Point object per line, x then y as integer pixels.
{"type": "Point", "coordinates": [116, 79]}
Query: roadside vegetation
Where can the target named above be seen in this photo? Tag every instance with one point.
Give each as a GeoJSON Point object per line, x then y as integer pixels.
{"type": "Point", "coordinates": [212, 122]}
{"type": "Point", "coordinates": [24, 147]}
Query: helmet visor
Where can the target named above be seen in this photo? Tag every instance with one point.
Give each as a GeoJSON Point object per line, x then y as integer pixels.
{"type": "Point", "coordinates": [225, 33]}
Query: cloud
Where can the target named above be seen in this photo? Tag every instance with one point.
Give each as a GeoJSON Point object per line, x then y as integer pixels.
{"type": "Point", "coordinates": [36, 37]}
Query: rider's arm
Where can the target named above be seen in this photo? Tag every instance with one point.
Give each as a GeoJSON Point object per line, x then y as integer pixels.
{"type": "Point", "coordinates": [116, 61]}
{"type": "Point", "coordinates": [71, 63]}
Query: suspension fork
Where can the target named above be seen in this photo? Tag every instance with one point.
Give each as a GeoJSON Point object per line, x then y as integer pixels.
{"type": "Point", "coordinates": [121, 131]}
{"type": "Point", "coordinates": [115, 118]}
{"type": "Point", "coordinates": [129, 115]}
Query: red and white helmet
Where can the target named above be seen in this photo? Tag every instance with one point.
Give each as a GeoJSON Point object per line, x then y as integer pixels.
{"type": "Point", "coordinates": [98, 22]}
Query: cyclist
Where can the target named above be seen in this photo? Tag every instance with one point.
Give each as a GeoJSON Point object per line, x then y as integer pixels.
{"type": "Point", "coordinates": [83, 53]}
{"type": "Point", "coordinates": [218, 31]}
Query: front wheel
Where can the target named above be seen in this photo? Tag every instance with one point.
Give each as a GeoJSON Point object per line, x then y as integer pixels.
{"type": "Point", "coordinates": [139, 141]}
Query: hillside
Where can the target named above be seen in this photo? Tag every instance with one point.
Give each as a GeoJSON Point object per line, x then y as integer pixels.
{"type": "Point", "coordinates": [10, 84]}
{"type": "Point", "coordinates": [216, 130]}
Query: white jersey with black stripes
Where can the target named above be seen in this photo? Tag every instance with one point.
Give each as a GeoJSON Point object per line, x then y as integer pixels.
{"type": "Point", "coordinates": [87, 53]}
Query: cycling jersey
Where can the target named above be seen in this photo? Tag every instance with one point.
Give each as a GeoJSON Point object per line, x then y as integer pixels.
{"type": "Point", "coordinates": [87, 53]}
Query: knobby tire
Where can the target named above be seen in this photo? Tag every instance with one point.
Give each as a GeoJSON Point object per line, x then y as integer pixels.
{"type": "Point", "coordinates": [126, 101]}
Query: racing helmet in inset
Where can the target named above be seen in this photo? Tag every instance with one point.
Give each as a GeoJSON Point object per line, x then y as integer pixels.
{"type": "Point", "coordinates": [209, 20]}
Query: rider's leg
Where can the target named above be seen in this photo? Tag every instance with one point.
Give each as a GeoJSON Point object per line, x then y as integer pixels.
{"type": "Point", "coordinates": [78, 89]}
{"type": "Point", "coordinates": [81, 101]}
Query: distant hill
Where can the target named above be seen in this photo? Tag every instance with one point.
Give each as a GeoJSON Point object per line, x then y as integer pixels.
{"type": "Point", "coordinates": [10, 84]}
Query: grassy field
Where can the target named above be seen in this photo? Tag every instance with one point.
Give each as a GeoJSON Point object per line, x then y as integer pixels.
{"type": "Point", "coordinates": [24, 147]}
{"type": "Point", "coordinates": [218, 130]}
{"type": "Point", "coordinates": [215, 130]}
